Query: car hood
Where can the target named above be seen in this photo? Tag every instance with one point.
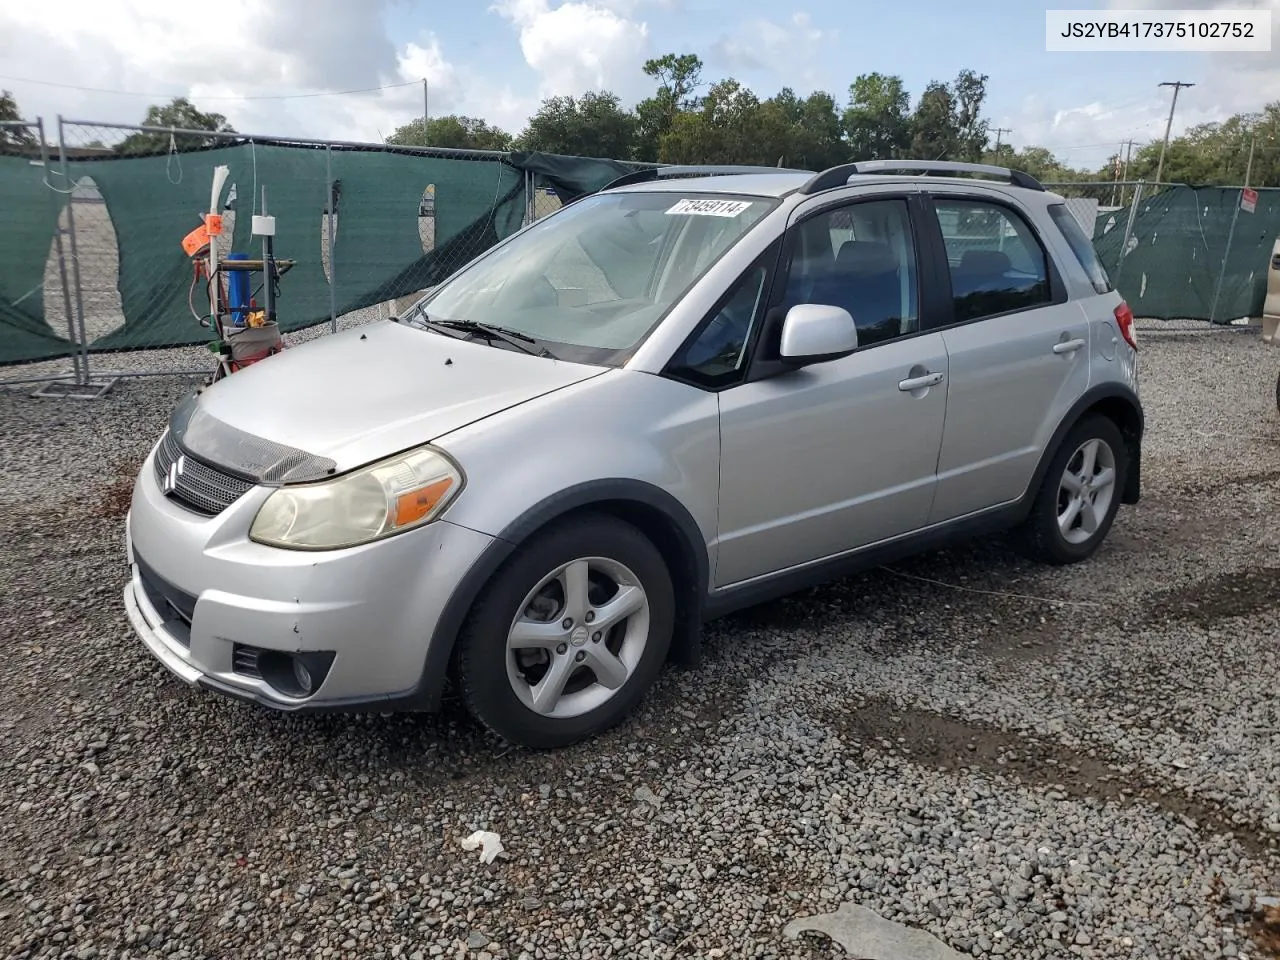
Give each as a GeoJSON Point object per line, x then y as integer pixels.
{"type": "Point", "coordinates": [346, 399]}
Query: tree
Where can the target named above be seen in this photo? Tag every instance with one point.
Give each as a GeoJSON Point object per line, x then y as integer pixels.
{"type": "Point", "coordinates": [1042, 164]}
{"type": "Point", "coordinates": [726, 128]}
{"type": "Point", "coordinates": [876, 123]}
{"type": "Point", "coordinates": [593, 125]}
{"type": "Point", "coordinates": [934, 133]}
{"type": "Point", "coordinates": [970, 92]}
{"type": "Point", "coordinates": [800, 133]}
{"type": "Point", "coordinates": [13, 136]}
{"type": "Point", "coordinates": [948, 123]}
{"type": "Point", "coordinates": [460, 133]}
{"type": "Point", "coordinates": [179, 114]}
{"type": "Point", "coordinates": [678, 76]}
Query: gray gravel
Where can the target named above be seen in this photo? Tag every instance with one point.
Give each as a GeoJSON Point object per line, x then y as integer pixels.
{"type": "Point", "coordinates": [1086, 764]}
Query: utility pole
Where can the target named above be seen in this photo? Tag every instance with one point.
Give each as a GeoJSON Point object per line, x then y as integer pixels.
{"type": "Point", "coordinates": [1000, 131]}
{"type": "Point", "coordinates": [1177, 86]}
{"type": "Point", "coordinates": [1124, 177]}
{"type": "Point", "coordinates": [1248, 170]}
{"type": "Point", "coordinates": [426, 113]}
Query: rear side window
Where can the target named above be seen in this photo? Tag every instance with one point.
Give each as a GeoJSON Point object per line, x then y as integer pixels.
{"type": "Point", "coordinates": [1081, 246]}
{"type": "Point", "coordinates": [997, 263]}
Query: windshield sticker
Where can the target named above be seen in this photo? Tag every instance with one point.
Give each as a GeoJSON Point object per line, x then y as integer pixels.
{"type": "Point", "coordinates": [709, 208]}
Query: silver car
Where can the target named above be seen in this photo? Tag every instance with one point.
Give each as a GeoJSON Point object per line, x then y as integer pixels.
{"type": "Point", "coordinates": [679, 396]}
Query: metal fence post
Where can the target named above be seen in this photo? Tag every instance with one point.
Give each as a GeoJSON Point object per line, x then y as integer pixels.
{"type": "Point", "coordinates": [333, 253]}
{"type": "Point", "coordinates": [62, 260]}
{"type": "Point", "coordinates": [1128, 228]}
{"type": "Point", "coordinates": [1226, 255]}
{"type": "Point", "coordinates": [82, 371]}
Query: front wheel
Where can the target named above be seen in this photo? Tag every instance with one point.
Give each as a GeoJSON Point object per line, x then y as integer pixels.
{"type": "Point", "coordinates": [1079, 495]}
{"type": "Point", "coordinates": [569, 635]}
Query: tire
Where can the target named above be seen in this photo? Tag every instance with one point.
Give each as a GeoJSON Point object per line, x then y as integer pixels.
{"type": "Point", "coordinates": [1091, 512]}
{"type": "Point", "coordinates": [1278, 392]}
{"type": "Point", "coordinates": [531, 629]}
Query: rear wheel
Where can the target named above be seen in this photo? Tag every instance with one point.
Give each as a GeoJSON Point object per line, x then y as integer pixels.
{"type": "Point", "coordinates": [569, 635]}
{"type": "Point", "coordinates": [1079, 496]}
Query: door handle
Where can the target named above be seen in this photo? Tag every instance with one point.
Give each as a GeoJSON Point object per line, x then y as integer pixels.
{"type": "Point", "coordinates": [1068, 346]}
{"type": "Point", "coordinates": [919, 383]}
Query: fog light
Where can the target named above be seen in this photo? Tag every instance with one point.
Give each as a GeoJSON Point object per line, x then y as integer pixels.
{"type": "Point", "coordinates": [299, 674]}
{"type": "Point", "coordinates": [302, 675]}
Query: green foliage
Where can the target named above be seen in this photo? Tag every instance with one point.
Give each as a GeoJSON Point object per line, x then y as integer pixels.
{"type": "Point", "coordinates": [877, 124]}
{"type": "Point", "coordinates": [178, 114]}
{"type": "Point", "coordinates": [14, 136]}
{"type": "Point", "coordinates": [455, 132]}
{"type": "Point", "coordinates": [1218, 153]}
{"type": "Point", "coordinates": [593, 125]}
{"type": "Point", "coordinates": [678, 76]}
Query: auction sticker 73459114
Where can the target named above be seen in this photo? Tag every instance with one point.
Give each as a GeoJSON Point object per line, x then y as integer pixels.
{"type": "Point", "coordinates": [709, 208]}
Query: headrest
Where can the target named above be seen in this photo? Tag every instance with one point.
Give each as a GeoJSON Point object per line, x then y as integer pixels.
{"type": "Point", "coordinates": [866, 257]}
{"type": "Point", "coordinates": [985, 261]}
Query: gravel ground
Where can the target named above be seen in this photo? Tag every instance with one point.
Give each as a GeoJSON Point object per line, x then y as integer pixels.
{"type": "Point", "coordinates": [1023, 762]}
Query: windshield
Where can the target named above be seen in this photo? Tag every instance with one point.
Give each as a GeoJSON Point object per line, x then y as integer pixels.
{"type": "Point", "coordinates": [590, 282]}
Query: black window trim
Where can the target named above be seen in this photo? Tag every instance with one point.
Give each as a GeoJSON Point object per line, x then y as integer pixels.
{"type": "Point", "coordinates": [769, 259]}
{"type": "Point", "coordinates": [945, 318]}
{"type": "Point", "coordinates": [1053, 209]}
{"type": "Point", "coordinates": [764, 369]}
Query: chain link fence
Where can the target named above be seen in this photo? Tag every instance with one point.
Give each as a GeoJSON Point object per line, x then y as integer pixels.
{"type": "Point", "coordinates": [362, 231]}
{"type": "Point", "coordinates": [97, 286]}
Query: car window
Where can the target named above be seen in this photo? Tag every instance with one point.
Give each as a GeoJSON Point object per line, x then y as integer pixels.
{"type": "Point", "coordinates": [717, 355]}
{"type": "Point", "coordinates": [598, 275]}
{"type": "Point", "coordinates": [860, 257]}
{"type": "Point", "coordinates": [997, 263]}
{"type": "Point", "coordinates": [1081, 246]}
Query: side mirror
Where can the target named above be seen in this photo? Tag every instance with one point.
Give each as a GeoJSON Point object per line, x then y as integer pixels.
{"type": "Point", "coordinates": [816, 333]}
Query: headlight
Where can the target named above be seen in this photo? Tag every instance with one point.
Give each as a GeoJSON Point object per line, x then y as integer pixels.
{"type": "Point", "coordinates": [385, 498]}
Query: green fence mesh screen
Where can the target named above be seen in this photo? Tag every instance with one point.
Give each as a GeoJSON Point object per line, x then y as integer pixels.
{"type": "Point", "coordinates": [1175, 253]}
{"type": "Point", "coordinates": [572, 177]}
{"type": "Point", "coordinates": [153, 203]}
{"type": "Point", "coordinates": [28, 220]}
{"type": "Point", "coordinates": [406, 220]}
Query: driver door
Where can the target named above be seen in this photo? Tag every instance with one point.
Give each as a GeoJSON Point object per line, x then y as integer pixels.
{"type": "Point", "coordinates": [829, 458]}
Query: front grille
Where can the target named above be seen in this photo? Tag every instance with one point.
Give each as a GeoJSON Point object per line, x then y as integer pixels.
{"type": "Point", "coordinates": [176, 606]}
{"type": "Point", "coordinates": [197, 486]}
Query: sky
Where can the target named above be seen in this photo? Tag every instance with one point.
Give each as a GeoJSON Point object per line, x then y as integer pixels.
{"type": "Point", "coordinates": [273, 68]}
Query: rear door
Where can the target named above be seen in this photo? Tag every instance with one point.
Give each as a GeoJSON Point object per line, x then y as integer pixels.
{"type": "Point", "coordinates": [1017, 347]}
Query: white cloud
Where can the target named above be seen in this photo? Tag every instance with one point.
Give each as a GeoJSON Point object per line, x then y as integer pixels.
{"type": "Point", "coordinates": [785, 50]}
{"type": "Point", "coordinates": [1086, 134]}
{"type": "Point", "coordinates": [152, 47]}
{"type": "Point", "coordinates": [581, 45]}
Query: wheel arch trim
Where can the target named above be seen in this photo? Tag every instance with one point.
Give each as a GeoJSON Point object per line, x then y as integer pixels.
{"type": "Point", "coordinates": [602, 493]}
{"type": "Point", "coordinates": [1102, 395]}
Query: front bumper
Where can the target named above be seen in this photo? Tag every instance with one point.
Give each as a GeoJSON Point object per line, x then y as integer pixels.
{"type": "Point", "coordinates": [205, 600]}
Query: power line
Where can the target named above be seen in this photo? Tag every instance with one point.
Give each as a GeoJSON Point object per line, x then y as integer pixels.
{"type": "Point", "coordinates": [165, 96]}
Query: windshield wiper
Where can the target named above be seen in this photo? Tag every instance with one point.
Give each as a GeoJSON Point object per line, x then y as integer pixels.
{"type": "Point", "coordinates": [518, 340]}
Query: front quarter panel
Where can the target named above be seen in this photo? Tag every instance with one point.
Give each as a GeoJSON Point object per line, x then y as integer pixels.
{"type": "Point", "coordinates": [625, 425]}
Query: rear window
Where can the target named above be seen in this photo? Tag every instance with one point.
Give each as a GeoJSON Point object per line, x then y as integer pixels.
{"type": "Point", "coordinates": [1081, 246]}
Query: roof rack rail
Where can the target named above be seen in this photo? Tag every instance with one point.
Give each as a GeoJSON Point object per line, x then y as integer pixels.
{"type": "Point", "coordinates": [840, 176]}
{"type": "Point", "coordinates": [693, 170]}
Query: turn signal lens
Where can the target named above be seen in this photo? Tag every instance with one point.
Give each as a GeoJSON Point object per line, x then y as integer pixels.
{"type": "Point", "coordinates": [1124, 320]}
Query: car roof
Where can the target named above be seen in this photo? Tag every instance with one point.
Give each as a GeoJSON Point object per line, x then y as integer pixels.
{"type": "Point", "coordinates": [784, 182]}
{"type": "Point", "coordinates": [748, 184]}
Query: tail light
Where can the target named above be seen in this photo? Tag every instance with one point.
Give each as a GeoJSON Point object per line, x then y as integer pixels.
{"type": "Point", "coordinates": [1124, 320]}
